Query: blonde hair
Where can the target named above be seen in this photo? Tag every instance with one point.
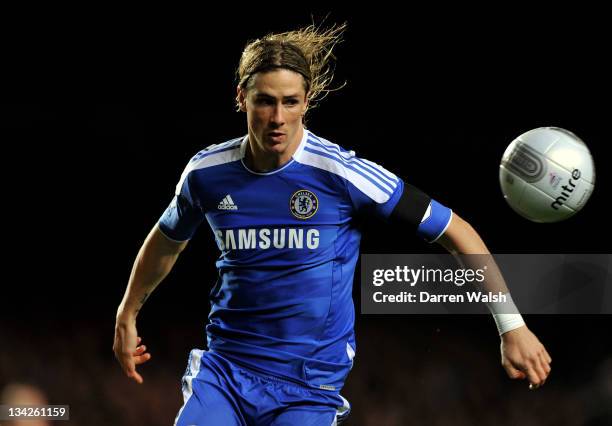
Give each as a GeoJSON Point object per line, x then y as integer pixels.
{"type": "Point", "coordinates": [307, 51]}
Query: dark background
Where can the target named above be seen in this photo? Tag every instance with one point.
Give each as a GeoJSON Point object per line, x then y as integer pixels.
{"type": "Point", "coordinates": [91, 166]}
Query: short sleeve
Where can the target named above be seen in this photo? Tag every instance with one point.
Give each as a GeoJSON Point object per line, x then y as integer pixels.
{"type": "Point", "coordinates": [184, 214]}
{"type": "Point", "coordinates": [373, 189]}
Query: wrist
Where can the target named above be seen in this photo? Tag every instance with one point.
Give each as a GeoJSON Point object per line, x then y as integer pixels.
{"type": "Point", "coordinates": [126, 315]}
{"type": "Point", "coordinates": [510, 334]}
{"type": "Point", "coordinates": [508, 322]}
{"type": "Point", "coordinates": [506, 315]}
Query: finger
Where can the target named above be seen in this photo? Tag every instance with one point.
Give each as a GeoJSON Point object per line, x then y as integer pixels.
{"type": "Point", "coordinates": [127, 362]}
{"type": "Point", "coordinates": [513, 373]}
{"type": "Point", "coordinates": [545, 363]}
{"type": "Point", "coordinates": [547, 356]}
{"type": "Point", "coordinates": [140, 350]}
{"type": "Point", "coordinates": [141, 359]}
{"type": "Point", "coordinates": [541, 375]}
{"type": "Point", "coordinates": [533, 378]}
{"type": "Point", "coordinates": [541, 367]}
{"type": "Point", "coordinates": [129, 368]}
{"type": "Point", "coordinates": [136, 377]}
{"type": "Point", "coordinates": [139, 340]}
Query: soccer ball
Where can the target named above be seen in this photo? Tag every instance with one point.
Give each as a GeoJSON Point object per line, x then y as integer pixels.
{"type": "Point", "coordinates": [547, 174]}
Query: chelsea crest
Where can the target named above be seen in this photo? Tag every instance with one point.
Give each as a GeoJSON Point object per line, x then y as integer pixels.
{"type": "Point", "coordinates": [303, 204]}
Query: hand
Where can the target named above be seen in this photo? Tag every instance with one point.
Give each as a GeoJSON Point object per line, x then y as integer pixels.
{"type": "Point", "coordinates": [126, 350]}
{"type": "Point", "coordinates": [523, 356]}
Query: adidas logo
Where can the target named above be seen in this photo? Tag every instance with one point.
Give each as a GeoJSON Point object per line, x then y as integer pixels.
{"type": "Point", "coordinates": [227, 203]}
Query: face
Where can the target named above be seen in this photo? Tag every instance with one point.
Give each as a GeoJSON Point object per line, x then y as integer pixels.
{"type": "Point", "coordinates": [275, 103]}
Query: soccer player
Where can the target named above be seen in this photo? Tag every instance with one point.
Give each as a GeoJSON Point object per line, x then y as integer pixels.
{"type": "Point", "coordinates": [281, 202]}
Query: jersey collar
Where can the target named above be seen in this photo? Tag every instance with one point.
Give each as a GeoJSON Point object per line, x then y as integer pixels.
{"type": "Point", "coordinates": [294, 157]}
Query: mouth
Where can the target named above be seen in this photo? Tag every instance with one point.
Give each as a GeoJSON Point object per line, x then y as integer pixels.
{"type": "Point", "coordinates": [276, 136]}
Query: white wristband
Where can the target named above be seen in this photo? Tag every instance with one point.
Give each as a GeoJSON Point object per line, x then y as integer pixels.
{"type": "Point", "coordinates": [506, 315]}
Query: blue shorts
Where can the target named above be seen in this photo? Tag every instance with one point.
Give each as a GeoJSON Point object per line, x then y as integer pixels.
{"type": "Point", "coordinates": [219, 392]}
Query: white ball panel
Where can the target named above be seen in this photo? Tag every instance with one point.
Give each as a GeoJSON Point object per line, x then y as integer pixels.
{"type": "Point", "coordinates": [511, 184]}
{"type": "Point", "coordinates": [573, 156]}
{"type": "Point", "coordinates": [541, 210]}
{"type": "Point", "coordinates": [539, 139]}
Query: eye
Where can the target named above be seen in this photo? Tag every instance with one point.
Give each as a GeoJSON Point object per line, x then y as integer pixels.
{"type": "Point", "coordinates": [291, 102]}
{"type": "Point", "coordinates": [264, 101]}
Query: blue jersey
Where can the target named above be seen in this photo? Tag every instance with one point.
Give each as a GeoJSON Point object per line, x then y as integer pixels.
{"type": "Point", "coordinates": [289, 243]}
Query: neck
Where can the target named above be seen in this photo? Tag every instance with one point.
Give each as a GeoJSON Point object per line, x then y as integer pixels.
{"type": "Point", "coordinates": [264, 161]}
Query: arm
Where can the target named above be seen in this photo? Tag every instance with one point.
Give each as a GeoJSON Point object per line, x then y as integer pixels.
{"type": "Point", "coordinates": [523, 356]}
{"type": "Point", "coordinates": [153, 263]}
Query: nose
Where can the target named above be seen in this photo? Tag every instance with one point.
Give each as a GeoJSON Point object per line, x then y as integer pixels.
{"type": "Point", "coordinates": [278, 117]}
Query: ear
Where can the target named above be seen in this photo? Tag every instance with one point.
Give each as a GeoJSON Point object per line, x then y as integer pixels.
{"type": "Point", "coordinates": [305, 107]}
{"type": "Point", "coordinates": [241, 98]}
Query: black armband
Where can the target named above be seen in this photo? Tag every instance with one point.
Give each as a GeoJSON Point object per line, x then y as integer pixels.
{"type": "Point", "coordinates": [410, 208]}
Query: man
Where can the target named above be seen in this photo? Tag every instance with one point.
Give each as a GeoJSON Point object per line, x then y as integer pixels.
{"type": "Point", "coordinates": [281, 202]}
